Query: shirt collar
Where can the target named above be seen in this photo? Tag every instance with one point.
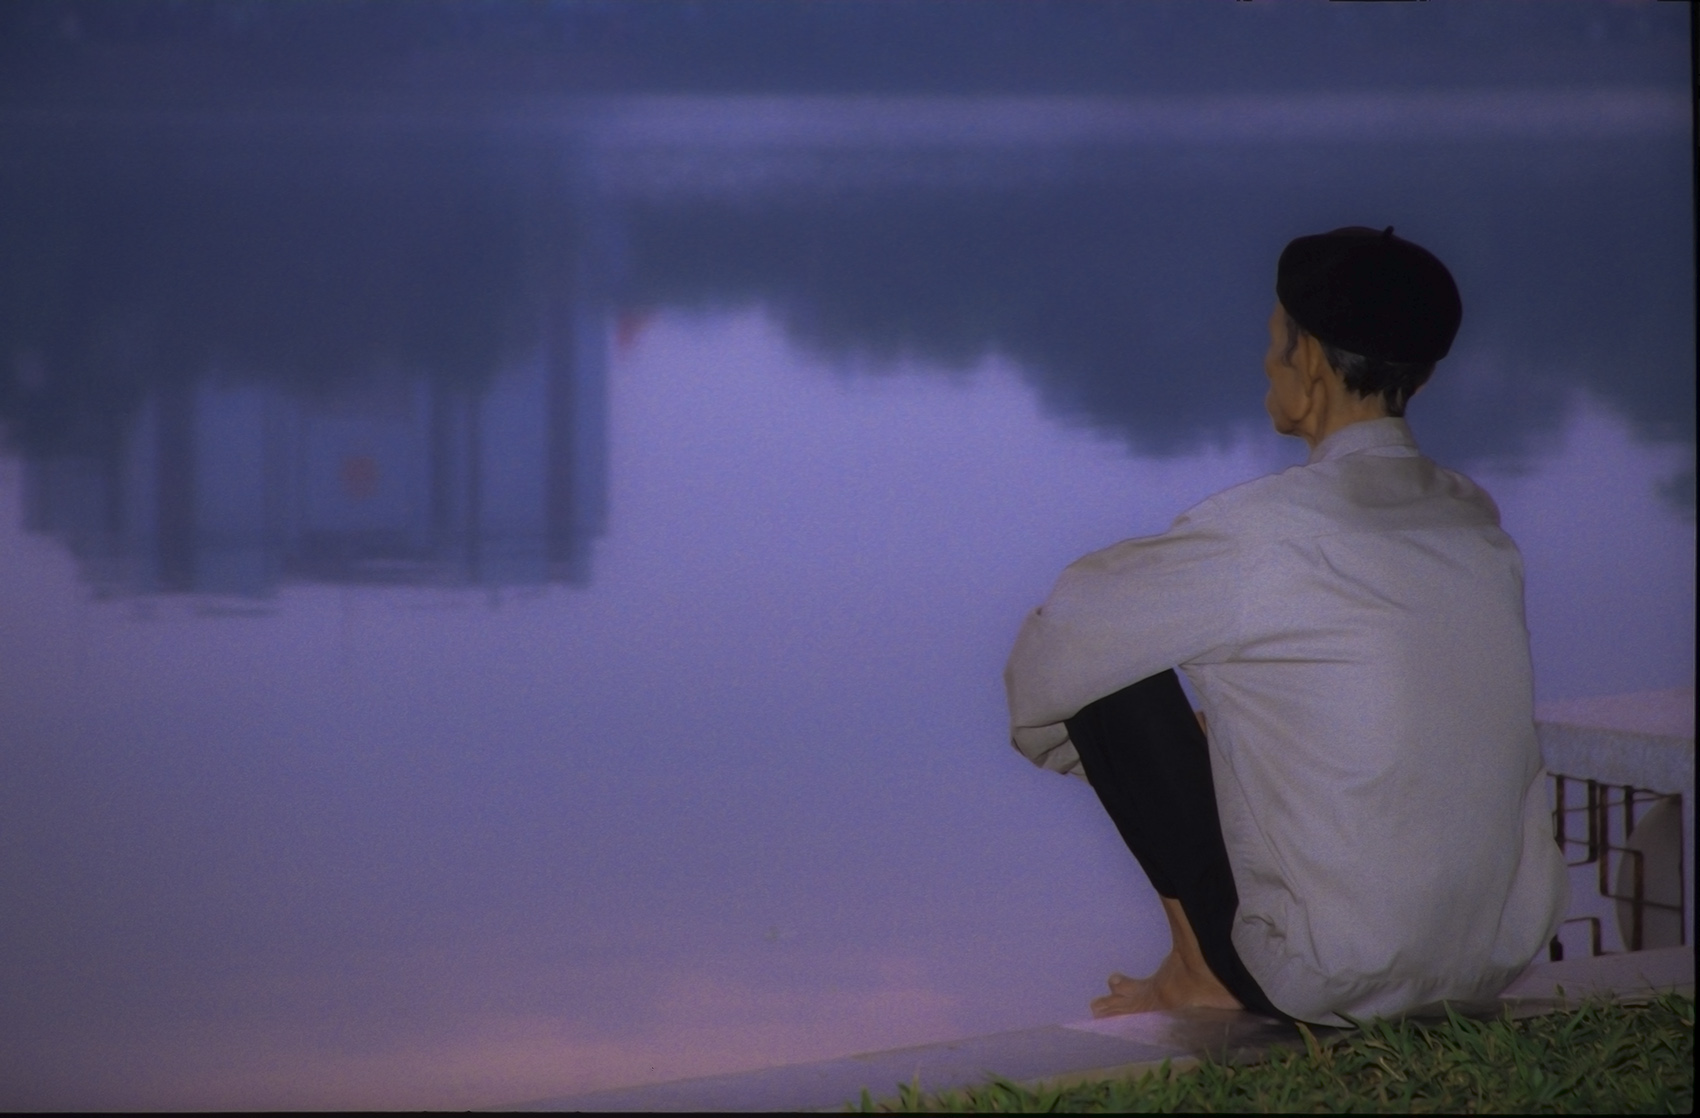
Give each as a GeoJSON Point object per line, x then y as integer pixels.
{"type": "Point", "coordinates": [1390, 434]}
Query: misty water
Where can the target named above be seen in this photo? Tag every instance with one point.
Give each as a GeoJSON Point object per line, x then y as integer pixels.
{"type": "Point", "coordinates": [504, 604]}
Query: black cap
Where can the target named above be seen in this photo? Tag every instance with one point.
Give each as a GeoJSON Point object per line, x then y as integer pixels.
{"type": "Point", "coordinates": [1371, 293]}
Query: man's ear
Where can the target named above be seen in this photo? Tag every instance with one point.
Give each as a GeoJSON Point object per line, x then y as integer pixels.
{"type": "Point", "coordinates": [1314, 363]}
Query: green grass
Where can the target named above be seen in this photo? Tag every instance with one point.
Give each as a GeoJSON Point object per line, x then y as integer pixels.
{"type": "Point", "coordinates": [1600, 1059]}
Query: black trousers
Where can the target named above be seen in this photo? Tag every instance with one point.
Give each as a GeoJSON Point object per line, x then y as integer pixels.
{"type": "Point", "coordinates": [1147, 759]}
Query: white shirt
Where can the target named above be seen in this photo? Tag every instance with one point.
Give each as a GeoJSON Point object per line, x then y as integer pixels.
{"type": "Point", "coordinates": [1354, 630]}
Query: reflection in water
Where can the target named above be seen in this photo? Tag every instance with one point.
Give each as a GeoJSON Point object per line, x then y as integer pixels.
{"type": "Point", "coordinates": [236, 362]}
{"type": "Point", "coordinates": [833, 410]}
{"type": "Point", "coordinates": [228, 488]}
{"type": "Point", "coordinates": [1133, 292]}
{"type": "Point", "coordinates": [341, 351]}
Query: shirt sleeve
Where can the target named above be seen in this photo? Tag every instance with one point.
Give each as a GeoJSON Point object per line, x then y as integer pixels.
{"type": "Point", "coordinates": [1115, 617]}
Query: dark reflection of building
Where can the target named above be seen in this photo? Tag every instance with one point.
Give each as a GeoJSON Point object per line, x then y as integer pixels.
{"type": "Point", "coordinates": [232, 486]}
{"type": "Point", "coordinates": [308, 350]}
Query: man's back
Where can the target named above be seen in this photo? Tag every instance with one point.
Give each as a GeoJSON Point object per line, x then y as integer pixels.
{"type": "Point", "coordinates": [1354, 628]}
{"type": "Point", "coordinates": [1372, 734]}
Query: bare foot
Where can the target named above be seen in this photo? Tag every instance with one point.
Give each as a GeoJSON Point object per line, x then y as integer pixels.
{"type": "Point", "coordinates": [1173, 986]}
{"type": "Point", "coordinates": [1182, 980]}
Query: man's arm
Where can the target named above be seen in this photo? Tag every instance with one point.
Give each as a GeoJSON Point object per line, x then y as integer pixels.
{"type": "Point", "coordinates": [1045, 744]}
{"type": "Point", "coordinates": [1115, 617]}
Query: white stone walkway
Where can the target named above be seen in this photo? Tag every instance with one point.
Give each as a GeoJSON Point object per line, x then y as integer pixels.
{"type": "Point", "coordinates": [1057, 1054]}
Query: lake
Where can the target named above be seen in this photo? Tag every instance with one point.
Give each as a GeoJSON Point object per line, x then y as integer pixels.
{"type": "Point", "coordinates": [508, 602]}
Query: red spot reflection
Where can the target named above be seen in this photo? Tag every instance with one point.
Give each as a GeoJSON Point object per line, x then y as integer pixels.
{"type": "Point", "coordinates": [629, 326]}
{"type": "Point", "coordinates": [360, 476]}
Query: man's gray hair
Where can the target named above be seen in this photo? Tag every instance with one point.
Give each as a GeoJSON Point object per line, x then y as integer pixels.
{"type": "Point", "coordinates": [1394, 381]}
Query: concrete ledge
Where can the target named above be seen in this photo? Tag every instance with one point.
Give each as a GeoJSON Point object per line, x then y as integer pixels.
{"type": "Point", "coordinates": [1058, 1055]}
{"type": "Point", "coordinates": [1023, 1055]}
{"type": "Point", "coordinates": [1546, 987]}
{"type": "Point", "coordinates": [1644, 739]}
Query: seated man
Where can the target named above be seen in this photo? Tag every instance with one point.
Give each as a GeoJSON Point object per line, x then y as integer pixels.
{"type": "Point", "coordinates": [1356, 823]}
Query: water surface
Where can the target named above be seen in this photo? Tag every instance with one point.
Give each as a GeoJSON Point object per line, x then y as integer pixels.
{"type": "Point", "coordinates": [504, 607]}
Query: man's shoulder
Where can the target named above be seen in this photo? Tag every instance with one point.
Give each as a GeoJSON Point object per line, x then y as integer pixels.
{"type": "Point", "coordinates": [1354, 492]}
{"type": "Point", "coordinates": [1253, 502]}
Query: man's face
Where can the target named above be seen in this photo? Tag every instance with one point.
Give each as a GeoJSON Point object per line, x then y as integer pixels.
{"type": "Point", "coordinates": [1286, 400]}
